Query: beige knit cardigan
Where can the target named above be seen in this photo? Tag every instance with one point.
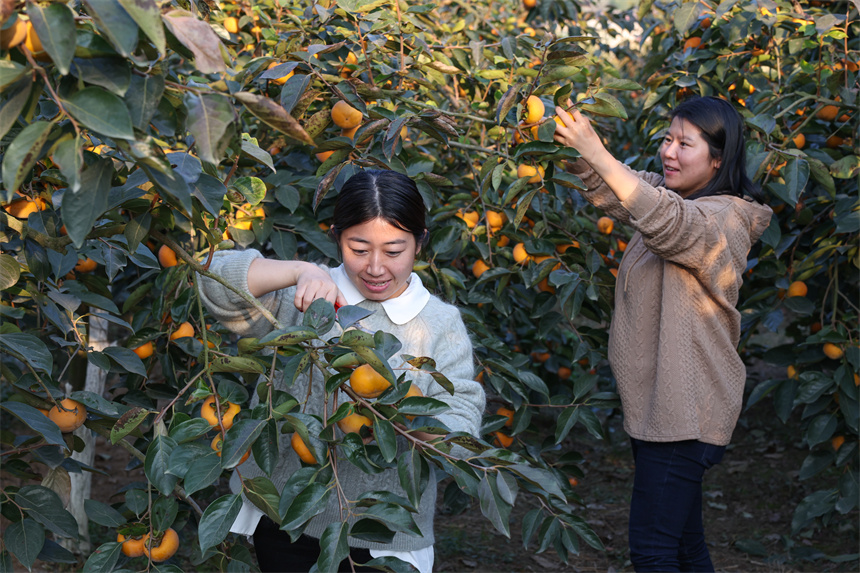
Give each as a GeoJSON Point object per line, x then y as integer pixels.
{"type": "Point", "coordinates": [675, 329]}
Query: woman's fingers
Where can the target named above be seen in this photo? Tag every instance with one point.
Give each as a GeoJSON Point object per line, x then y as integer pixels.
{"type": "Point", "coordinates": [310, 291]}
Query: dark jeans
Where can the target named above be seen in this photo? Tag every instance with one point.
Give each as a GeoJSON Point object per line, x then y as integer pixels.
{"type": "Point", "coordinates": [666, 531]}
{"type": "Point", "coordinates": [277, 554]}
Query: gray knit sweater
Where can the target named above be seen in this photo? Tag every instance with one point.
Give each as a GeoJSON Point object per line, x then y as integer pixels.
{"type": "Point", "coordinates": [437, 331]}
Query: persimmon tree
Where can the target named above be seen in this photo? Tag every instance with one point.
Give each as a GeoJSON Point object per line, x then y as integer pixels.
{"type": "Point", "coordinates": [139, 138]}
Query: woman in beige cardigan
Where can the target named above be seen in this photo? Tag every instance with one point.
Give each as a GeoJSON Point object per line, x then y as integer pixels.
{"type": "Point", "coordinates": [675, 328]}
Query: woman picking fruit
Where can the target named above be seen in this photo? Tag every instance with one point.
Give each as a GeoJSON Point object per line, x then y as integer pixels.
{"type": "Point", "coordinates": [379, 228]}
{"type": "Point", "coordinates": [675, 328]}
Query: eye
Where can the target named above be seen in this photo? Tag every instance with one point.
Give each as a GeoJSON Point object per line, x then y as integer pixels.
{"type": "Point", "coordinates": [359, 252]}
{"type": "Point", "coordinates": [393, 253]}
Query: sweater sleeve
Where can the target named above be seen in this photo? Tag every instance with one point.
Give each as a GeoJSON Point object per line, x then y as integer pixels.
{"type": "Point", "coordinates": [235, 312]}
{"type": "Point", "coordinates": [598, 192]}
{"type": "Point", "coordinates": [703, 236]}
{"type": "Point", "coordinates": [452, 352]}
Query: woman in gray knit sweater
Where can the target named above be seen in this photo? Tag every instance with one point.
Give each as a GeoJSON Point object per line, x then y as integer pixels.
{"type": "Point", "coordinates": [675, 328]}
{"type": "Point", "coordinates": [379, 227]}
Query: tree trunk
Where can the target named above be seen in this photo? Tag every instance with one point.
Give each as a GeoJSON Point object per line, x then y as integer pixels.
{"type": "Point", "coordinates": [82, 482]}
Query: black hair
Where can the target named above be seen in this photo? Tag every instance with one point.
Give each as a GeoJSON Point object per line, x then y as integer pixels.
{"type": "Point", "coordinates": [387, 195]}
{"type": "Point", "coordinates": [722, 128]}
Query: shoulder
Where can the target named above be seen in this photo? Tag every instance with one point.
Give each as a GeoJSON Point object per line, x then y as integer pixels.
{"type": "Point", "coordinates": [440, 316]}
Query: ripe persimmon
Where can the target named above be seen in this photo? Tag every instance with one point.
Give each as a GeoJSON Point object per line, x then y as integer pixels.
{"type": "Point", "coordinates": [13, 35]}
{"type": "Point", "coordinates": [209, 413]}
{"type": "Point", "coordinates": [167, 257]}
{"type": "Point", "coordinates": [508, 413]}
{"type": "Point", "coordinates": [184, 330]}
{"type": "Point", "coordinates": [605, 225]}
{"type": "Point", "coordinates": [352, 424]}
{"type": "Point", "coordinates": [535, 174]}
{"type": "Point", "coordinates": [131, 546]}
{"type": "Point", "coordinates": [345, 116]}
{"type": "Point", "coordinates": [145, 350]}
{"type": "Point", "coordinates": [797, 288]}
{"type": "Point", "coordinates": [246, 213]}
{"type": "Point", "coordinates": [302, 450]}
{"type": "Point", "coordinates": [693, 43]}
{"type": "Point", "coordinates": [479, 268]}
{"type": "Point", "coordinates": [520, 253]}
{"type": "Point", "coordinates": [827, 113]}
{"type": "Point", "coordinates": [367, 382]}
{"type": "Point", "coordinates": [86, 265]}
{"type": "Point", "coordinates": [503, 440]}
{"type": "Point", "coordinates": [231, 24]}
{"type": "Point", "coordinates": [217, 444]}
{"type": "Point", "coordinates": [832, 351]}
{"type": "Point", "coordinates": [281, 80]}
{"type": "Point", "coordinates": [470, 217]}
{"type": "Point", "coordinates": [534, 109]}
{"type": "Point", "coordinates": [161, 548]}
{"type": "Point", "coordinates": [564, 372]}
{"type": "Point", "coordinates": [322, 156]}
{"type": "Point", "coordinates": [70, 419]}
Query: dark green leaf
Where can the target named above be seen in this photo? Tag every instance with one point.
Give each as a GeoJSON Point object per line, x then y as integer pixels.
{"type": "Point", "coordinates": [14, 100]}
{"type": "Point", "coordinates": [21, 155]}
{"type": "Point", "coordinates": [115, 23]}
{"type": "Point", "coordinates": [386, 439]}
{"type": "Point", "coordinates": [104, 558]}
{"type": "Point", "coordinates": [55, 26]}
{"type": "Point", "coordinates": [210, 121]}
{"type": "Point", "coordinates": [157, 464]}
{"type": "Point", "coordinates": [103, 514]}
{"type": "Point", "coordinates": [101, 111]}
{"type": "Point", "coordinates": [126, 359]}
{"type": "Point", "coordinates": [147, 15]}
{"type": "Point", "coordinates": [202, 473]}
{"type": "Point", "coordinates": [262, 493]}
{"type": "Point", "coordinates": [333, 546]}
{"type": "Point", "coordinates": [265, 448]}
{"type": "Point", "coordinates": [239, 439]}
{"type": "Point", "coordinates": [24, 540]}
{"type": "Point", "coordinates": [197, 36]}
{"type": "Point", "coordinates": [312, 501]}
{"type": "Point", "coordinates": [371, 530]}
{"type": "Point", "coordinates": [217, 519]}
{"type": "Point", "coordinates": [30, 349]}
{"type": "Point", "coordinates": [46, 507]}
{"type": "Point", "coordinates": [274, 116]}
{"type": "Point", "coordinates": [493, 506]}
{"type": "Point", "coordinates": [816, 462]}
{"type": "Point", "coordinates": [81, 210]}
{"type": "Point", "coordinates": [127, 423]}
{"type": "Point", "coordinates": [144, 94]}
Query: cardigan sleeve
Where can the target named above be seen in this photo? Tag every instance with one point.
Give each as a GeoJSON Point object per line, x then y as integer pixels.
{"type": "Point", "coordinates": [705, 235]}
{"type": "Point", "coordinates": [233, 311]}
{"type": "Point", "coordinates": [452, 352]}
{"type": "Point", "coordinates": [599, 194]}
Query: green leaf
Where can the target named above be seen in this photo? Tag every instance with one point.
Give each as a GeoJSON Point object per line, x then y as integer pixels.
{"type": "Point", "coordinates": [394, 517]}
{"type": "Point", "coordinates": [101, 111]}
{"type": "Point", "coordinates": [217, 519]}
{"type": "Point", "coordinates": [202, 473]}
{"type": "Point", "coordinates": [262, 493]}
{"type": "Point", "coordinates": [22, 154]}
{"type": "Point", "coordinates": [265, 448]}
{"type": "Point", "coordinates": [10, 271]}
{"type": "Point", "coordinates": [103, 514]}
{"type": "Point", "coordinates": [236, 364]}
{"type": "Point", "coordinates": [69, 156]}
{"type": "Point", "coordinates": [164, 511]}
{"type": "Point", "coordinates": [24, 540]}
{"type": "Point", "coordinates": [127, 359]}
{"type": "Point", "coordinates": [252, 189]}
{"type": "Point", "coordinates": [239, 439]}
{"type": "Point", "coordinates": [606, 105]}
{"type": "Point", "coordinates": [846, 168]}
{"type": "Point", "coordinates": [127, 423]}
{"type": "Point", "coordinates": [15, 100]}
{"type": "Point", "coordinates": [30, 349]}
{"type": "Point", "coordinates": [312, 501]}
{"type": "Point", "coordinates": [796, 174]}
{"type": "Point", "coordinates": [46, 507]}
{"type": "Point", "coordinates": [143, 96]}
{"type": "Point", "coordinates": [333, 546]}
{"type": "Point", "coordinates": [113, 74]}
{"type": "Point", "coordinates": [371, 530]}
{"type": "Point", "coordinates": [147, 15]}
{"type": "Point", "coordinates": [156, 464]}
{"type": "Point", "coordinates": [386, 439]}
{"type": "Point", "coordinates": [414, 474]}
{"type": "Point", "coordinates": [114, 23]}
{"type": "Point", "coordinates": [189, 430]}
{"type": "Point", "coordinates": [816, 462]}
{"type": "Point", "coordinates": [55, 26]}
{"type": "Point", "coordinates": [11, 72]}
{"type": "Point", "coordinates": [274, 116]}
{"type": "Point", "coordinates": [493, 506]}
{"type": "Point", "coordinates": [81, 210]}
{"type": "Point", "coordinates": [812, 506]}
{"type": "Point", "coordinates": [197, 36]}
{"type": "Point", "coordinates": [104, 558]}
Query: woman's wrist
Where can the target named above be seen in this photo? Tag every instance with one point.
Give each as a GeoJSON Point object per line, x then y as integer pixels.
{"type": "Point", "coordinates": [268, 275]}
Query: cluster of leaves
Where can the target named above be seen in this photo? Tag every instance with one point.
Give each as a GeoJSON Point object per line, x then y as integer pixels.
{"type": "Point", "coordinates": [139, 126]}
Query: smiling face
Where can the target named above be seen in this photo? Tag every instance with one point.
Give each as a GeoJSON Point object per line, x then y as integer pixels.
{"type": "Point", "coordinates": [378, 258]}
{"type": "Point", "coordinates": [687, 162]}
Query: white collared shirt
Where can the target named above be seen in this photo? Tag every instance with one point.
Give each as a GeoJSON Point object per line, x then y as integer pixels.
{"type": "Point", "coordinates": [400, 309]}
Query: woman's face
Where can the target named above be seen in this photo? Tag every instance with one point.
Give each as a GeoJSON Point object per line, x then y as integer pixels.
{"type": "Point", "coordinates": [378, 258]}
{"type": "Point", "coordinates": [687, 162]}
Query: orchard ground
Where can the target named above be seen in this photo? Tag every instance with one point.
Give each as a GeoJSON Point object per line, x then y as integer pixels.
{"type": "Point", "coordinates": [749, 502]}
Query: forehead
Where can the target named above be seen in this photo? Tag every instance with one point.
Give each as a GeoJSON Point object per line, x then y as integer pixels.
{"type": "Point", "coordinates": [680, 128]}
{"type": "Point", "coordinates": [377, 231]}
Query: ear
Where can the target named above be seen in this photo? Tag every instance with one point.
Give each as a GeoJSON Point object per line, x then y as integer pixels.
{"type": "Point", "coordinates": [717, 162]}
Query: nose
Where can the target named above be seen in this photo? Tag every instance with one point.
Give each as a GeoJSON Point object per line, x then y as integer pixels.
{"type": "Point", "coordinates": [669, 149]}
{"type": "Point", "coordinates": [374, 265]}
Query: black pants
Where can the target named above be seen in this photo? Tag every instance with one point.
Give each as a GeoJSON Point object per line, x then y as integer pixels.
{"type": "Point", "coordinates": [277, 554]}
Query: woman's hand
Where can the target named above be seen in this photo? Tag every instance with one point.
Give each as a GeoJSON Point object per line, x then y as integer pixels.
{"type": "Point", "coordinates": [312, 283]}
{"type": "Point", "coordinates": [577, 132]}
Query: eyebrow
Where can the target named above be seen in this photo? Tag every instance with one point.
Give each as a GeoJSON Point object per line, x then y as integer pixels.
{"type": "Point", "coordinates": [394, 242]}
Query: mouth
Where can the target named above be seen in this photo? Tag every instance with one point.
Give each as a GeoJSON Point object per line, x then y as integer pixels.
{"type": "Point", "coordinates": [667, 170]}
{"type": "Point", "coordinates": [375, 286]}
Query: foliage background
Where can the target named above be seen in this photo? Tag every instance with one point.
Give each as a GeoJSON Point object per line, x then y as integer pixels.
{"type": "Point", "coordinates": [144, 124]}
